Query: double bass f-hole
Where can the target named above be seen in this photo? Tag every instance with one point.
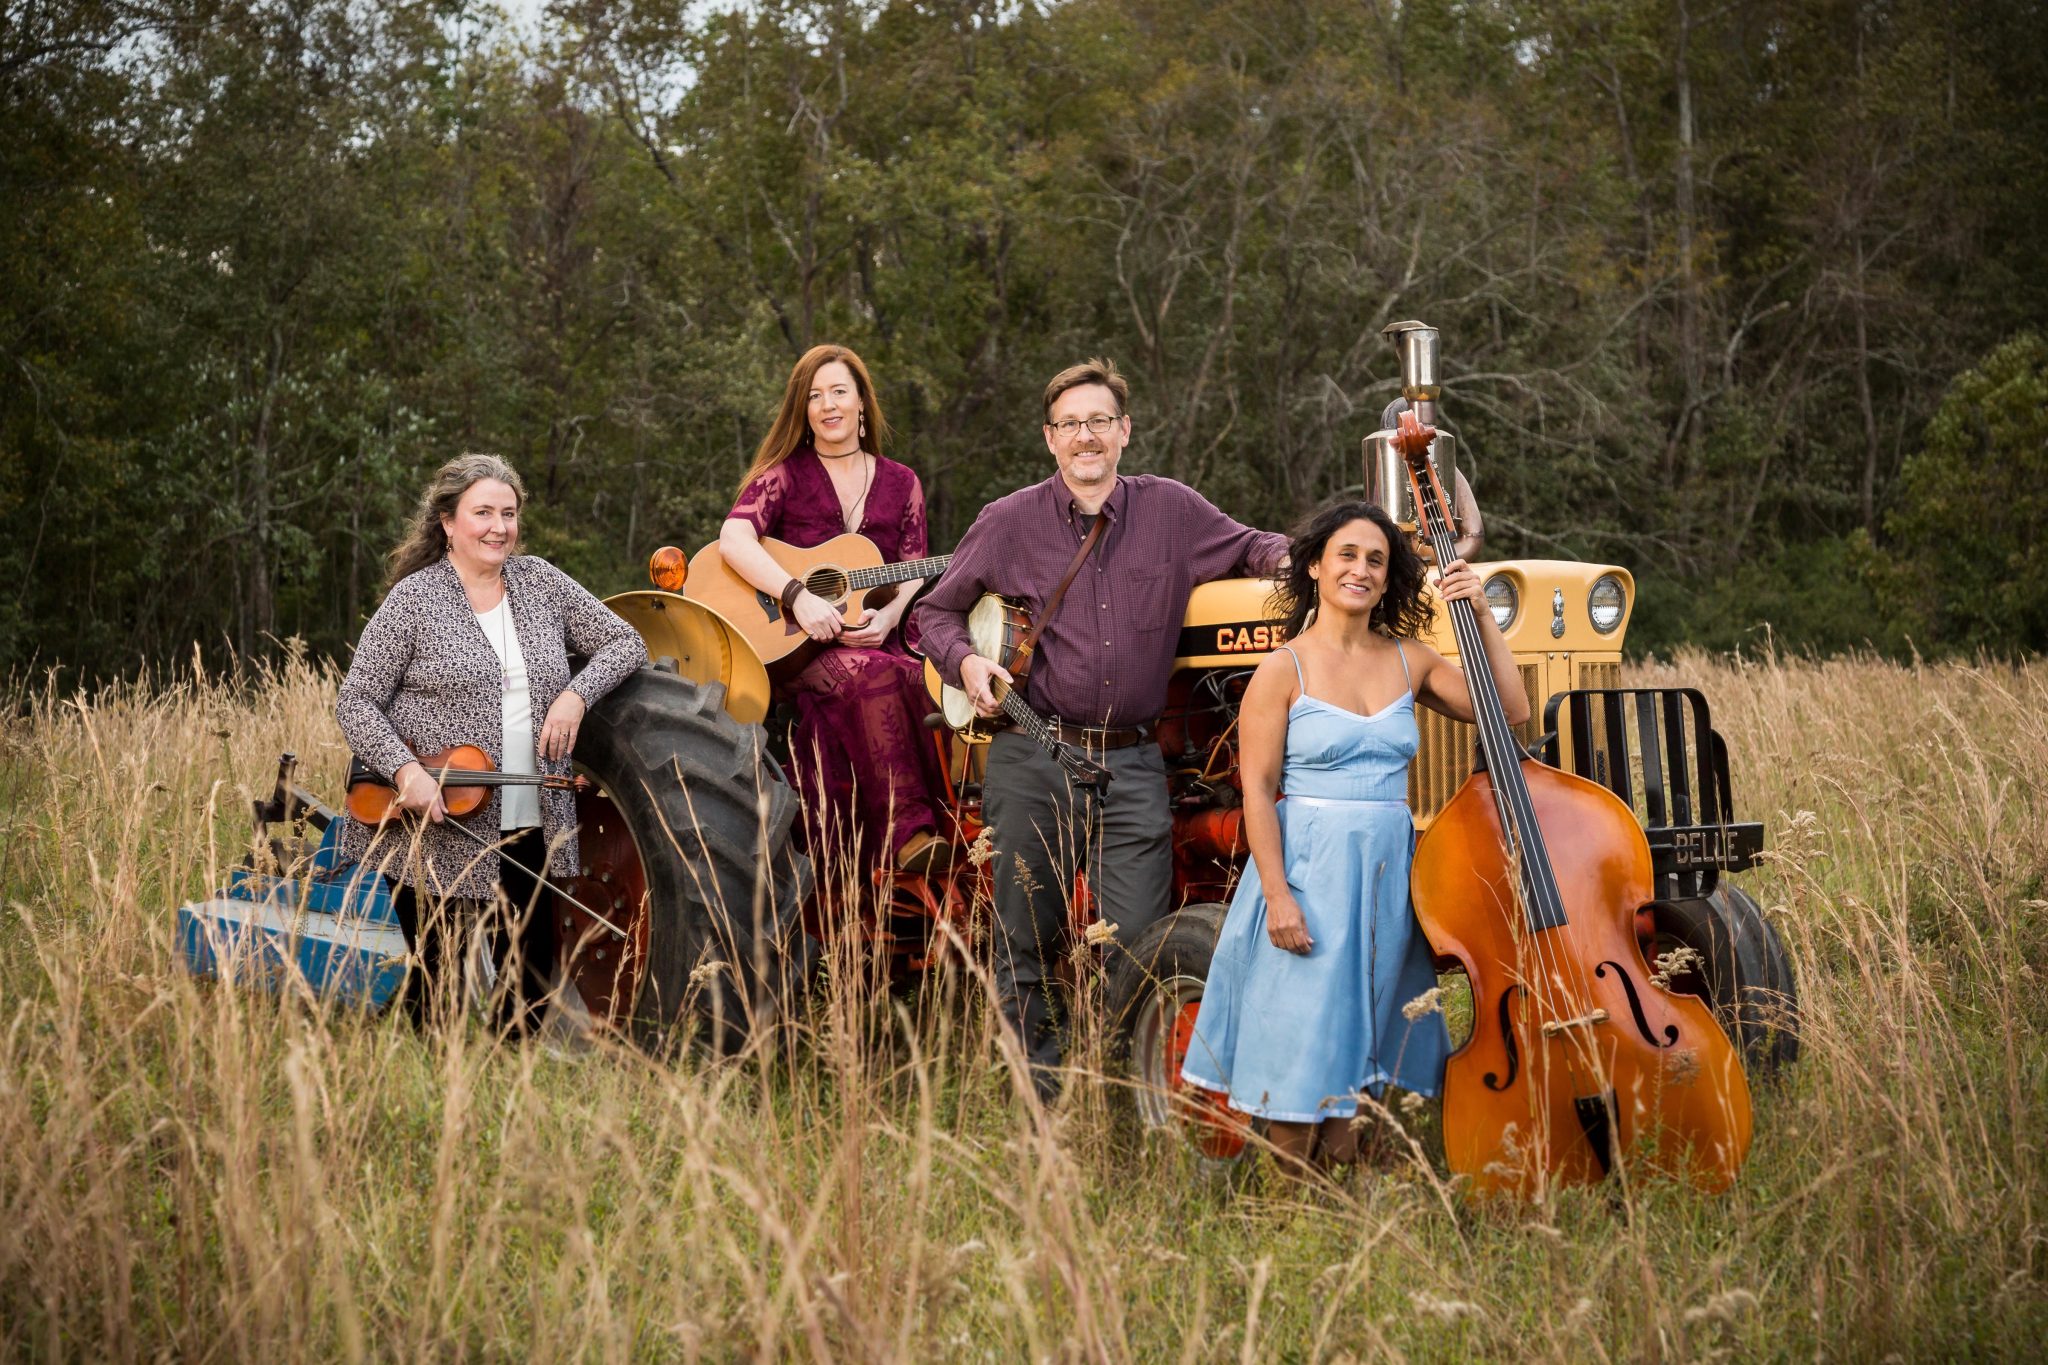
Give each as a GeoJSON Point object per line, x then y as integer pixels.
{"type": "Point", "coordinates": [1635, 1005]}
{"type": "Point", "coordinates": [1492, 1079]}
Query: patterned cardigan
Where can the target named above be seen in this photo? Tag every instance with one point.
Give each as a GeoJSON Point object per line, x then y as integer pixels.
{"type": "Point", "coordinates": [424, 679]}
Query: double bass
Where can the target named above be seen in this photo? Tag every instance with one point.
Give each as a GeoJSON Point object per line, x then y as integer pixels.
{"type": "Point", "coordinates": [1529, 880]}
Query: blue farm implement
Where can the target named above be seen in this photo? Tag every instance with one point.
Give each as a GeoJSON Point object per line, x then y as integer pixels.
{"type": "Point", "coordinates": [316, 927]}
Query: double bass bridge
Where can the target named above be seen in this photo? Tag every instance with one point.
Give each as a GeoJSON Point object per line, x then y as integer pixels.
{"type": "Point", "coordinates": [1553, 1027]}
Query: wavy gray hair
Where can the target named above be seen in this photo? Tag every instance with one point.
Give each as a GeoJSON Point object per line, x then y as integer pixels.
{"type": "Point", "coordinates": [425, 541]}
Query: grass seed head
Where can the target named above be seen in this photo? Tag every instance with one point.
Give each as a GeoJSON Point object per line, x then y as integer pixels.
{"type": "Point", "coordinates": [1429, 1002]}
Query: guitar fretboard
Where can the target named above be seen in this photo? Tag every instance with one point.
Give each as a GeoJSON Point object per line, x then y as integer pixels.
{"type": "Point", "coordinates": [859, 579]}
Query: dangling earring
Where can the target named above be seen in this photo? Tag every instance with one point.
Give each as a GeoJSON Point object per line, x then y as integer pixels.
{"type": "Point", "coordinates": [863, 421]}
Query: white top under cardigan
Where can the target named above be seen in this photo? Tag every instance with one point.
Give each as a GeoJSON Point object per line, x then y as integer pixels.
{"type": "Point", "coordinates": [519, 807]}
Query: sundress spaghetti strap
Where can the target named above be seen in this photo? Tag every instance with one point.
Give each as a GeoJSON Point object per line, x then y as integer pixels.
{"type": "Point", "coordinates": [1298, 1038]}
{"type": "Point", "coordinates": [1300, 682]}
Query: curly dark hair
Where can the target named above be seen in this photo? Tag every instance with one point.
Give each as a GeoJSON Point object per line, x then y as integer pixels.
{"type": "Point", "coordinates": [1403, 612]}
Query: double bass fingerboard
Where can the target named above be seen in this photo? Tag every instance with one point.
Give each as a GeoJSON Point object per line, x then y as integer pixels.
{"type": "Point", "coordinates": [1541, 899]}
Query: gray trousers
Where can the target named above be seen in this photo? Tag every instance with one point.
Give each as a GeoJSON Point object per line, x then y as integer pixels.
{"type": "Point", "coordinates": [1040, 837]}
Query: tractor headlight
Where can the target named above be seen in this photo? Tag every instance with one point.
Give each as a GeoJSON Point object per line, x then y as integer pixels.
{"type": "Point", "coordinates": [1605, 603]}
{"type": "Point", "coordinates": [1502, 598]}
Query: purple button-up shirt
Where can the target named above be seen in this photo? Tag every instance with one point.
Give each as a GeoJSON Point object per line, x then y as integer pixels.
{"type": "Point", "coordinates": [1104, 658]}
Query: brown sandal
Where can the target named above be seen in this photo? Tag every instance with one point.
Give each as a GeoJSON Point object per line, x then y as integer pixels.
{"type": "Point", "coordinates": [925, 853]}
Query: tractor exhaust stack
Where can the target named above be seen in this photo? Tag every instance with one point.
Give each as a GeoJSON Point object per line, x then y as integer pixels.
{"type": "Point", "coordinates": [1386, 474]}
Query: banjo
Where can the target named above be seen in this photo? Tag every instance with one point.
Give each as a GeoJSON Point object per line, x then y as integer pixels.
{"type": "Point", "coordinates": [997, 625]}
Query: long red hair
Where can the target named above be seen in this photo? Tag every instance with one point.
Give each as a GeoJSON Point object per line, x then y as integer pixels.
{"type": "Point", "coordinates": [792, 427]}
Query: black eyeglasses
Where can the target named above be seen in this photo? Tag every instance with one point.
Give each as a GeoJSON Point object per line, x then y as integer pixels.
{"type": "Point", "coordinates": [1097, 425]}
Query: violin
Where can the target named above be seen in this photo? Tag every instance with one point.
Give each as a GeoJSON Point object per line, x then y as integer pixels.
{"type": "Point", "coordinates": [1529, 879]}
{"type": "Point", "coordinates": [466, 776]}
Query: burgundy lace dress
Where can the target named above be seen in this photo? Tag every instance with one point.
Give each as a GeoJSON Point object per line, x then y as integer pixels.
{"type": "Point", "coordinates": [862, 760]}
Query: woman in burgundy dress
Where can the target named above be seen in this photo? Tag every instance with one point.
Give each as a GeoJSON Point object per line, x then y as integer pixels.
{"type": "Point", "coordinates": [867, 768]}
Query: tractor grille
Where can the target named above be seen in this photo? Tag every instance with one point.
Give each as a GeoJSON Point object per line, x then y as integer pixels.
{"type": "Point", "coordinates": [1599, 675]}
{"type": "Point", "coordinates": [1444, 760]}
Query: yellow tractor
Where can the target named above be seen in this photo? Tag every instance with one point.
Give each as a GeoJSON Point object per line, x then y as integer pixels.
{"type": "Point", "coordinates": [692, 833]}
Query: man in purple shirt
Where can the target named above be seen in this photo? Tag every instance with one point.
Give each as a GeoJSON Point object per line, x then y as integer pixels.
{"type": "Point", "coordinates": [1100, 669]}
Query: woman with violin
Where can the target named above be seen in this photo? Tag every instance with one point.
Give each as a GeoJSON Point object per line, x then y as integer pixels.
{"type": "Point", "coordinates": [1303, 1009]}
{"type": "Point", "coordinates": [464, 670]}
{"type": "Point", "coordinates": [866, 767]}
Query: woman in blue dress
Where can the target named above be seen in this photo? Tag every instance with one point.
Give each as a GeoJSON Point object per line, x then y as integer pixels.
{"type": "Point", "coordinates": [1320, 951]}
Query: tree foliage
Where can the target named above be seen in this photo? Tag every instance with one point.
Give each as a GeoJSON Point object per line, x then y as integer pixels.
{"type": "Point", "coordinates": [1970, 559]}
{"type": "Point", "coordinates": [1703, 273]}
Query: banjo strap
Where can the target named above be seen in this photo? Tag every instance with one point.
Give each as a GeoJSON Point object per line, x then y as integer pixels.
{"type": "Point", "coordinates": [1025, 646]}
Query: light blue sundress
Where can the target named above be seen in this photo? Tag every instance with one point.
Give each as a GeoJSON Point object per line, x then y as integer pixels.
{"type": "Point", "coordinates": [1297, 1038]}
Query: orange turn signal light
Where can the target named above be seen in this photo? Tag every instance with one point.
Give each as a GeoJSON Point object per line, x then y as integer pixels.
{"type": "Point", "coordinates": [667, 568]}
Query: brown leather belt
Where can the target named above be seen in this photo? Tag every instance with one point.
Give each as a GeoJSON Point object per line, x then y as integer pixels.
{"type": "Point", "coordinates": [1114, 737]}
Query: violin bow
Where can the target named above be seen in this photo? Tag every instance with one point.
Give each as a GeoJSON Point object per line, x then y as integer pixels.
{"type": "Point", "coordinates": [538, 878]}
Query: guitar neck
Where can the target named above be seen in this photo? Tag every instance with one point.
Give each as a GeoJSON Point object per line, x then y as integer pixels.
{"type": "Point", "coordinates": [880, 575]}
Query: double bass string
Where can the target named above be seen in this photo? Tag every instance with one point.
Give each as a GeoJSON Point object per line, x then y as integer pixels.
{"type": "Point", "coordinates": [1504, 760]}
{"type": "Point", "coordinates": [1503, 753]}
{"type": "Point", "coordinates": [1504, 763]}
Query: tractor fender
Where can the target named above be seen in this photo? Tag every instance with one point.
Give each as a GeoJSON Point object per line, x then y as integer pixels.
{"type": "Point", "coordinates": [705, 646]}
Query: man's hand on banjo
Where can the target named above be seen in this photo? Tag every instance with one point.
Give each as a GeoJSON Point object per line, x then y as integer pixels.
{"type": "Point", "coordinates": [976, 678]}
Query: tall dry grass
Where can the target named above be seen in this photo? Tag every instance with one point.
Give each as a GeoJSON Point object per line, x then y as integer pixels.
{"type": "Point", "coordinates": [196, 1172]}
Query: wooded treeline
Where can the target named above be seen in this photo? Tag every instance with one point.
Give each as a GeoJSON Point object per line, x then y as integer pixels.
{"type": "Point", "coordinates": [1746, 296]}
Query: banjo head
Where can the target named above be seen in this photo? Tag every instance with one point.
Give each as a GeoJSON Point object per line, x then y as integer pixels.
{"type": "Point", "coordinates": [986, 622]}
{"type": "Point", "coordinates": [990, 623]}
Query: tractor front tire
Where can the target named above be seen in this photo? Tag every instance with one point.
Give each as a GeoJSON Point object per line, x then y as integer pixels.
{"type": "Point", "coordinates": [711, 819]}
{"type": "Point", "coordinates": [1154, 993]}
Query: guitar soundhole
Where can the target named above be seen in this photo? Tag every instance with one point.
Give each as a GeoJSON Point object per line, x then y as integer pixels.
{"type": "Point", "coordinates": [827, 585]}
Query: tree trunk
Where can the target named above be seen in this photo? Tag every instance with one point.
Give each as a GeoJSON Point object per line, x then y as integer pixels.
{"type": "Point", "coordinates": [1688, 286]}
{"type": "Point", "coordinates": [262, 615]}
{"type": "Point", "coordinates": [1863, 399]}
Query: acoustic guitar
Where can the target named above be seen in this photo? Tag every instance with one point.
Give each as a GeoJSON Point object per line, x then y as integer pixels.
{"type": "Point", "coordinates": [994, 626]}
{"type": "Point", "coordinates": [846, 572]}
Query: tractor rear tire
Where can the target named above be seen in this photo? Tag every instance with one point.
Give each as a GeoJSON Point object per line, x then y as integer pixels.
{"type": "Point", "coordinates": [712, 820]}
{"type": "Point", "coordinates": [1745, 976]}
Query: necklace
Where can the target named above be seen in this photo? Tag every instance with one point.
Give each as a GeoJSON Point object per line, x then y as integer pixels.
{"type": "Point", "coordinates": [505, 639]}
{"type": "Point", "coordinates": [846, 509]}
{"type": "Point", "coordinates": [503, 611]}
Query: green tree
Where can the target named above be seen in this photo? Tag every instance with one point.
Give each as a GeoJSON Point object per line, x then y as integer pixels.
{"type": "Point", "coordinates": [1966, 563]}
{"type": "Point", "coordinates": [1701, 269]}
